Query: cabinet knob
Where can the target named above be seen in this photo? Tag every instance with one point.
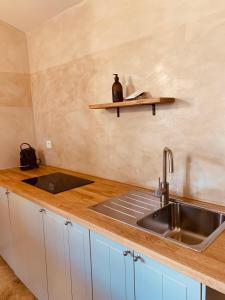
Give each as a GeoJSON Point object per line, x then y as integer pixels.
{"type": "Point", "coordinates": [136, 258]}
{"type": "Point", "coordinates": [125, 253]}
{"type": "Point", "coordinates": [68, 223]}
{"type": "Point", "coordinates": [42, 210]}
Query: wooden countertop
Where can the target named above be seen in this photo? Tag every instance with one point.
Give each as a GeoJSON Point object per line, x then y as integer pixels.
{"type": "Point", "coordinates": [207, 267]}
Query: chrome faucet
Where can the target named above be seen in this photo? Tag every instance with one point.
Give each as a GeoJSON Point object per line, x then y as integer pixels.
{"type": "Point", "coordinates": [163, 190]}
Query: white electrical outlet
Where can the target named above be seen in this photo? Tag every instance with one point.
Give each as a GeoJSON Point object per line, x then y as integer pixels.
{"type": "Point", "coordinates": [49, 144]}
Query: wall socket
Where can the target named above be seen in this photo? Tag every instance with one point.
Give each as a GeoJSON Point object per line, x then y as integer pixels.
{"type": "Point", "coordinates": [49, 144]}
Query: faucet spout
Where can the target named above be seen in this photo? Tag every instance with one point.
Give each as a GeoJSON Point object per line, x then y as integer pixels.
{"type": "Point", "coordinates": [167, 154]}
{"type": "Point", "coordinates": [164, 186]}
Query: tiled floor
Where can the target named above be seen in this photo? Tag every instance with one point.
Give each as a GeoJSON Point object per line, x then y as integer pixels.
{"type": "Point", "coordinates": [11, 288]}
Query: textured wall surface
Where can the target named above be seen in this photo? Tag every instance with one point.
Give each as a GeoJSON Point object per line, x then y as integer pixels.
{"type": "Point", "coordinates": [168, 48]}
{"type": "Point", "coordinates": [16, 118]}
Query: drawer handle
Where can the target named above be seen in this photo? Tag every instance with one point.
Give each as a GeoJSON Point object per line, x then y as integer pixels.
{"type": "Point", "coordinates": [136, 258]}
{"type": "Point", "coordinates": [68, 223]}
{"type": "Point", "coordinates": [7, 192]}
{"type": "Point", "coordinates": [125, 253]}
{"type": "Point", "coordinates": [42, 210]}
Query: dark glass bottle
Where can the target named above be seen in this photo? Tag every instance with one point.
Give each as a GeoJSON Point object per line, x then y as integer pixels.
{"type": "Point", "coordinates": [117, 90]}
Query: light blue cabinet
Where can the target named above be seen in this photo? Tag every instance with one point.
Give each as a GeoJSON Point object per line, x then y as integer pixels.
{"type": "Point", "coordinates": [57, 257]}
{"type": "Point", "coordinates": [80, 262]}
{"type": "Point", "coordinates": [179, 286]}
{"type": "Point", "coordinates": [134, 276]}
{"type": "Point", "coordinates": [68, 259]}
{"type": "Point", "coordinates": [148, 279]}
{"type": "Point", "coordinates": [5, 228]}
{"type": "Point", "coordinates": [112, 270]}
{"type": "Point", "coordinates": [28, 245]}
{"type": "Point", "coordinates": [154, 281]}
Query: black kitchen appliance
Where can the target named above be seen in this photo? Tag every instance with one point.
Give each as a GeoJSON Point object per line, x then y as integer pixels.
{"type": "Point", "coordinates": [28, 159]}
{"type": "Point", "coordinates": [57, 182]}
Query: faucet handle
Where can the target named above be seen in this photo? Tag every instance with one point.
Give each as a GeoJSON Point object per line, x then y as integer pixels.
{"type": "Point", "coordinates": [158, 192]}
{"type": "Point", "coordinates": [161, 189]}
{"type": "Point", "coordinates": [160, 183]}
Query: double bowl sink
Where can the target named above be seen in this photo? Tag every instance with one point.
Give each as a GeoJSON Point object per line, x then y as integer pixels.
{"type": "Point", "coordinates": [185, 224]}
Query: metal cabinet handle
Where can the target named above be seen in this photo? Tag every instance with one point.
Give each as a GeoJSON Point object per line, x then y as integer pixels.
{"type": "Point", "coordinates": [125, 253]}
{"type": "Point", "coordinates": [42, 210]}
{"type": "Point", "coordinates": [136, 258]}
{"type": "Point", "coordinates": [68, 223]}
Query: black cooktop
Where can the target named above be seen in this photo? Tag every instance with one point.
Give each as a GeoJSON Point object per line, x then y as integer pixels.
{"type": "Point", "coordinates": [57, 182]}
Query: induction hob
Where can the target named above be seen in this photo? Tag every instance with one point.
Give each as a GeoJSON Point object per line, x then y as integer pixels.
{"type": "Point", "coordinates": [57, 182]}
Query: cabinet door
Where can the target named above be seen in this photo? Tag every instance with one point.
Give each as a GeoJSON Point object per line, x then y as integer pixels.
{"type": "Point", "coordinates": [112, 272]}
{"type": "Point", "coordinates": [154, 281]}
{"type": "Point", "coordinates": [28, 244]}
{"type": "Point", "coordinates": [5, 228]}
{"type": "Point", "coordinates": [177, 285]}
{"type": "Point", "coordinates": [80, 263]}
{"type": "Point", "coordinates": [57, 257]}
{"type": "Point", "coordinates": [148, 279]}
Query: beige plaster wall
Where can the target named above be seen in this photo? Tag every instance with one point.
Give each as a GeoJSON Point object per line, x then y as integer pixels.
{"type": "Point", "coordinates": [168, 48]}
{"type": "Point", "coordinates": [16, 117]}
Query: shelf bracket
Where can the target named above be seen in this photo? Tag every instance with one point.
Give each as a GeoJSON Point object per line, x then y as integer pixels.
{"type": "Point", "coordinates": [153, 110]}
{"type": "Point", "coordinates": [152, 105]}
{"type": "Point", "coordinates": [118, 112]}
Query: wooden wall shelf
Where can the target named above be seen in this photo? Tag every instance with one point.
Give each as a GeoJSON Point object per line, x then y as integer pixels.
{"type": "Point", "coordinates": [128, 103]}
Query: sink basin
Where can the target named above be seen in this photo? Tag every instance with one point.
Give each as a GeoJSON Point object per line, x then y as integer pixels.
{"type": "Point", "coordinates": [189, 225]}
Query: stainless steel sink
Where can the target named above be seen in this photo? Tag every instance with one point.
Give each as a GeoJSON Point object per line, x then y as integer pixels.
{"type": "Point", "coordinates": [185, 224]}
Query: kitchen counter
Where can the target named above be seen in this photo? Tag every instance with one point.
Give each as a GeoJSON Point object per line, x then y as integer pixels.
{"type": "Point", "coordinates": [207, 267]}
